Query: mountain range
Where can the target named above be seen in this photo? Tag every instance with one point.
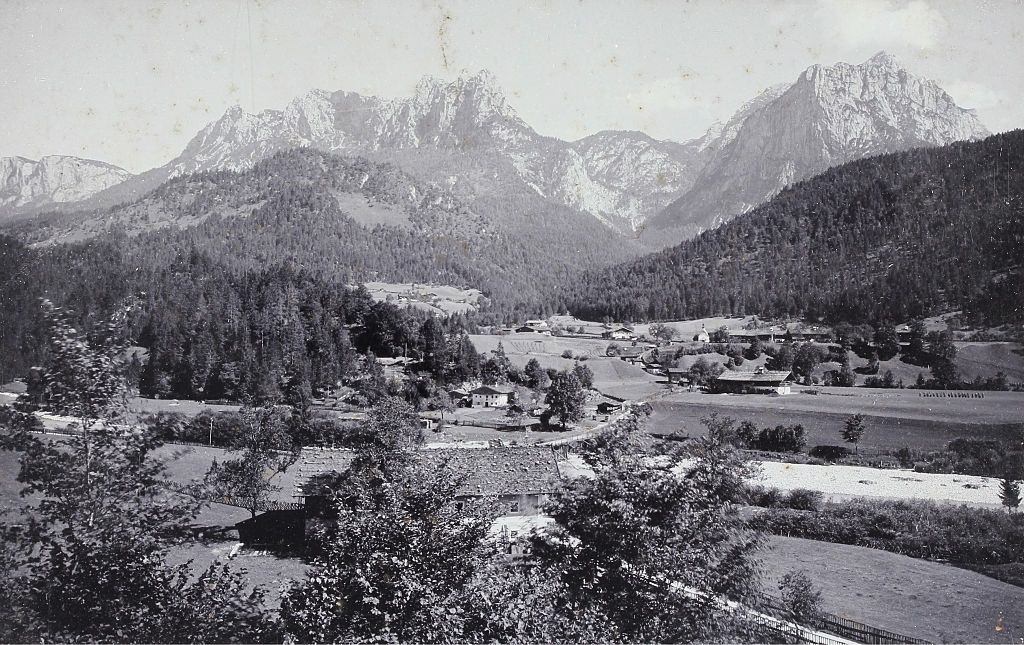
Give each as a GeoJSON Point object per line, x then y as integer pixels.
{"type": "Point", "coordinates": [463, 136]}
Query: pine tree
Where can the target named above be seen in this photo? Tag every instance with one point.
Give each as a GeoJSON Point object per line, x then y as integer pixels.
{"type": "Point", "coordinates": [1009, 493]}
{"type": "Point", "coordinates": [853, 430]}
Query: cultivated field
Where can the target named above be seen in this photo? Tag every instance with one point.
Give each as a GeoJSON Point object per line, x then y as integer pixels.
{"type": "Point", "coordinates": [894, 418]}
{"type": "Point", "coordinates": [914, 597]}
{"type": "Point", "coordinates": [839, 483]}
{"type": "Point", "coordinates": [611, 375]}
{"type": "Point", "coordinates": [438, 299]}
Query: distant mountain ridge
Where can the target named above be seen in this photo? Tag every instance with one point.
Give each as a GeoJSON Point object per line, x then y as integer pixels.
{"type": "Point", "coordinates": [353, 219]}
{"type": "Point", "coordinates": [25, 183]}
{"type": "Point", "coordinates": [625, 179]}
{"type": "Point", "coordinates": [831, 115]}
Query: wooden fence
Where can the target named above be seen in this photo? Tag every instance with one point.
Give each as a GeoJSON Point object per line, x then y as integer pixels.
{"type": "Point", "coordinates": [843, 627]}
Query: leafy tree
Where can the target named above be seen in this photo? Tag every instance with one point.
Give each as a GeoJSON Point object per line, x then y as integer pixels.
{"type": "Point", "coordinates": [782, 360]}
{"type": "Point", "coordinates": [565, 398]}
{"type": "Point", "coordinates": [373, 383]}
{"type": "Point", "coordinates": [754, 350]}
{"type": "Point", "coordinates": [536, 377]}
{"type": "Point", "coordinates": [887, 342]}
{"type": "Point", "coordinates": [267, 450]}
{"type": "Point", "coordinates": [720, 335]}
{"type": "Point", "coordinates": [853, 429]}
{"type": "Point", "coordinates": [704, 372]}
{"type": "Point", "coordinates": [390, 427]}
{"type": "Point", "coordinates": [941, 346]}
{"type": "Point", "coordinates": [663, 332]}
{"type": "Point", "coordinates": [945, 375]}
{"type": "Point", "coordinates": [584, 374]}
{"type": "Point", "coordinates": [845, 377]}
{"type": "Point", "coordinates": [403, 563]}
{"type": "Point", "coordinates": [91, 550]}
{"type": "Point", "coordinates": [1009, 493]}
{"type": "Point", "coordinates": [800, 598]}
{"type": "Point", "coordinates": [805, 359]}
{"type": "Point", "coordinates": [915, 346]}
{"type": "Point", "coordinates": [623, 537]}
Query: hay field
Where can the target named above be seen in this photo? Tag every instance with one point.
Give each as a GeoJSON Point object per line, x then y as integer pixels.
{"type": "Point", "coordinates": [929, 600]}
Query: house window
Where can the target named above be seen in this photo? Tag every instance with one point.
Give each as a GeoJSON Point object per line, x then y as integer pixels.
{"type": "Point", "coordinates": [514, 507]}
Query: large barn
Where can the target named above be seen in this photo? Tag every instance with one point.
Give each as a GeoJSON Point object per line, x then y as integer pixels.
{"type": "Point", "coordinates": [760, 381]}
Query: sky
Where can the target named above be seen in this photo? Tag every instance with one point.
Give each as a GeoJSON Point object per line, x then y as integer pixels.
{"type": "Point", "coordinates": [130, 82]}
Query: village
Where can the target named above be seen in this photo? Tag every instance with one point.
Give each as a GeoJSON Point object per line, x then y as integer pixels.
{"type": "Point", "coordinates": [515, 442]}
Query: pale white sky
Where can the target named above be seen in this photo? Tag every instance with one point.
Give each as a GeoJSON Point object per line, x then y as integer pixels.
{"type": "Point", "coordinates": [131, 81]}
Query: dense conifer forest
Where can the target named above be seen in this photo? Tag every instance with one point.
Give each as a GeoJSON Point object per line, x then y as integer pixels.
{"type": "Point", "coordinates": [211, 331]}
{"type": "Point", "coordinates": [886, 238]}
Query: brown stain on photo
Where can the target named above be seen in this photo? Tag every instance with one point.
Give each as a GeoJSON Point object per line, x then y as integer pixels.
{"type": "Point", "coordinates": [442, 35]}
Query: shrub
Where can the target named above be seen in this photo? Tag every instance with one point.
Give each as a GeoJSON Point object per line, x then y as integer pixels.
{"type": "Point", "coordinates": [918, 529]}
{"type": "Point", "coordinates": [800, 598]}
{"type": "Point", "coordinates": [781, 439]}
{"type": "Point", "coordinates": [803, 499]}
{"type": "Point", "coordinates": [764, 497]}
{"type": "Point", "coordinates": [830, 453]}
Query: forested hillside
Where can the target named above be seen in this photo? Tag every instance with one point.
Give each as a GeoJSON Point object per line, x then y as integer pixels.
{"type": "Point", "coordinates": [351, 220]}
{"type": "Point", "coordinates": [892, 237]}
{"type": "Point", "coordinates": [211, 331]}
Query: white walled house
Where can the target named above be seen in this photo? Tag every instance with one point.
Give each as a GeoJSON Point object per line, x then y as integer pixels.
{"type": "Point", "coordinates": [491, 396]}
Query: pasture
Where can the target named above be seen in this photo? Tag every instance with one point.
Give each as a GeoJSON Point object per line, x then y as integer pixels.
{"type": "Point", "coordinates": [437, 299]}
{"type": "Point", "coordinates": [611, 375]}
{"type": "Point", "coordinates": [929, 600]}
{"type": "Point", "coordinates": [894, 418]}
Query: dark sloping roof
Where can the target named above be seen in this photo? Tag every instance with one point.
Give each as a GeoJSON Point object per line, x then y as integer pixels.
{"type": "Point", "coordinates": [755, 377]}
{"type": "Point", "coordinates": [632, 352]}
{"type": "Point", "coordinates": [488, 471]}
{"type": "Point", "coordinates": [491, 389]}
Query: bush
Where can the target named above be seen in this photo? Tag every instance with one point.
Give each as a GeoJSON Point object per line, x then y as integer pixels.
{"type": "Point", "coordinates": [223, 427]}
{"type": "Point", "coordinates": [803, 499]}
{"type": "Point", "coordinates": [918, 529]}
{"type": "Point", "coordinates": [830, 453]}
{"type": "Point", "coordinates": [800, 598]}
{"type": "Point", "coordinates": [764, 497]}
{"type": "Point", "coordinates": [780, 439]}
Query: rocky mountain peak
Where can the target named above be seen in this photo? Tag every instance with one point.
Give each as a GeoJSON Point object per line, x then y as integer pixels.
{"type": "Point", "coordinates": [54, 179]}
{"type": "Point", "coordinates": [831, 115]}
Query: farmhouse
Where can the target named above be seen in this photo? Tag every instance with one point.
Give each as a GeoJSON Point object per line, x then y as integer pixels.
{"type": "Point", "coordinates": [813, 333]}
{"type": "Point", "coordinates": [607, 407]}
{"type": "Point", "coordinates": [621, 333]}
{"type": "Point", "coordinates": [521, 479]}
{"type": "Point", "coordinates": [631, 354]}
{"type": "Point", "coordinates": [527, 329]}
{"type": "Point", "coordinates": [491, 396]}
{"type": "Point", "coordinates": [678, 375]}
{"type": "Point", "coordinates": [760, 381]}
{"type": "Point", "coordinates": [768, 334]}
